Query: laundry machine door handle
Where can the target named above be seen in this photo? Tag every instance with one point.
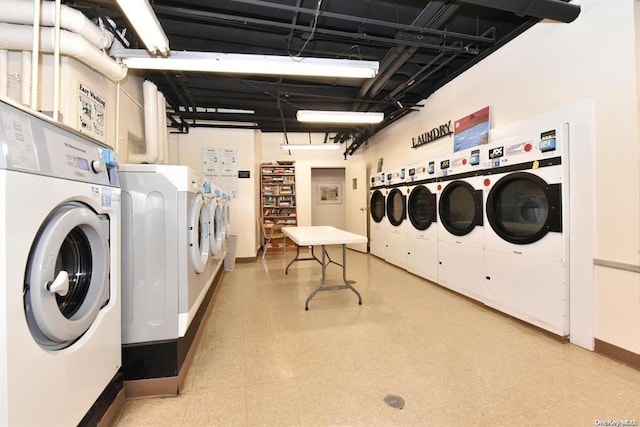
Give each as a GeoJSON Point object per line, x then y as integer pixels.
{"type": "Point", "coordinates": [59, 285]}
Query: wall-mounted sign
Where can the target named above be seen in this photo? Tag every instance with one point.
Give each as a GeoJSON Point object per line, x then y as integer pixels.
{"type": "Point", "coordinates": [435, 133]}
{"type": "Point", "coordinates": [92, 109]}
{"type": "Point", "coordinates": [472, 130]}
{"type": "Point", "coordinates": [244, 174]}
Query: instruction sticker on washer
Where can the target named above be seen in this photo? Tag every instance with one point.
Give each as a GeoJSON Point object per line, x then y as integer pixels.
{"type": "Point", "coordinates": [518, 148]}
{"type": "Point", "coordinates": [106, 198]}
{"type": "Point", "coordinates": [20, 143]}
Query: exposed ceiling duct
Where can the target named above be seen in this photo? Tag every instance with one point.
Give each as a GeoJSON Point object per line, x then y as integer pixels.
{"type": "Point", "coordinates": [557, 10]}
{"type": "Point", "coordinates": [420, 46]}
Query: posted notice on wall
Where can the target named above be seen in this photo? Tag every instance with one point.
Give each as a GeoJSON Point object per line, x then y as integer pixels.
{"type": "Point", "coordinates": [220, 167]}
{"type": "Point", "coordinates": [92, 109]}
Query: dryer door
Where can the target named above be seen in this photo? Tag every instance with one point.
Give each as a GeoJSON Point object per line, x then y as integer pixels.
{"type": "Point", "coordinates": [422, 207]}
{"type": "Point", "coordinates": [396, 207]}
{"type": "Point", "coordinates": [67, 276]}
{"type": "Point", "coordinates": [460, 208]}
{"type": "Point", "coordinates": [522, 208]}
{"type": "Point", "coordinates": [377, 206]}
{"type": "Point", "coordinates": [198, 234]}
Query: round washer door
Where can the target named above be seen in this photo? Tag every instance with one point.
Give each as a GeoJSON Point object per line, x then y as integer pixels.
{"type": "Point", "coordinates": [198, 234]}
{"type": "Point", "coordinates": [460, 208]}
{"type": "Point", "coordinates": [422, 207]}
{"type": "Point", "coordinates": [377, 206]}
{"type": "Point", "coordinates": [67, 276]}
{"type": "Point", "coordinates": [396, 207]}
{"type": "Point", "coordinates": [522, 208]}
{"type": "Point", "coordinates": [215, 228]}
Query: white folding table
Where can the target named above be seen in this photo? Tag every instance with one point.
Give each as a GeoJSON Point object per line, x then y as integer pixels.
{"type": "Point", "coordinates": [324, 236]}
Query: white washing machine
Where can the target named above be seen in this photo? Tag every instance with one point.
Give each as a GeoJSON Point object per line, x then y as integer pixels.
{"type": "Point", "coordinates": [217, 248]}
{"type": "Point", "coordinates": [422, 211]}
{"type": "Point", "coordinates": [396, 210]}
{"type": "Point", "coordinates": [60, 272]}
{"type": "Point", "coordinates": [216, 224]}
{"type": "Point", "coordinates": [377, 230]}
{"type": "Point", "coordinates": [165, 251]}
{"type": "Point", "coordinates": [460, 226]}
{"type": "Point", "coordinates": [526, 250]}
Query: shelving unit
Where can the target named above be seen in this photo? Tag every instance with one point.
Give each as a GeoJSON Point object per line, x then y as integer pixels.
{"type": "Point", "coordinates": [278, 202]}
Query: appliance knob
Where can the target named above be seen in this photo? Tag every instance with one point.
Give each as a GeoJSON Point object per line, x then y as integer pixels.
{"type": "Point", "coordinates": [97, 166]}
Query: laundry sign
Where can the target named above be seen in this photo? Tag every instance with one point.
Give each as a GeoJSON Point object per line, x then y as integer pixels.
{"type": "Point", "coordinates": [435, 133]}
{"type": "Point", "coordinates": [92, 109]}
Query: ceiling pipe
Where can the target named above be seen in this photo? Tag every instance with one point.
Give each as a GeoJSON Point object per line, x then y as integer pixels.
{"type": "Point", "coordinates": [22, 12]}
{"type": "Point", "coordinates": [17, 37]}
{"type": "Point", "coordinates": [557, 10]}
{"type": "Point", "coordinates": [151, 127]}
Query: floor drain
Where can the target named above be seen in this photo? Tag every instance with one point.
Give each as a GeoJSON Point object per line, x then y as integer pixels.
{"type": "Point", "coordinates": [394, 401]}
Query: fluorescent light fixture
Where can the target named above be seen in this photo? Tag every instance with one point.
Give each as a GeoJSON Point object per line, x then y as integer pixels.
{"type": "Point", "coordinates": [317, 116]}
{"type": "Point", "coordinates": [146, 24]}
{"type": "Point", "coordinates": [310, 147]}
{"type": "Point", "coordinates": [212, 62]}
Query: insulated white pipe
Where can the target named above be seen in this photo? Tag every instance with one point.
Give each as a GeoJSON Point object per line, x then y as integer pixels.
{"type": "Point", "coordinates": [16, 37]}
{"type": "Point", "coordinates": [162, 127]}
{"type": "Point", "coordinates": [22, 12]}
{"type": "Point", "coordinates": [150, 93]}
{"type": "Point", "coordinates": [165, 130]}
{"type": "Point", "coordinates": [56, 63]}
{"type": "Point", "coordinates": [25, 79]}
{"type": "Point", "coordinates": [35, 50]}
{"type": "Point", "coordinates": [4, 72]}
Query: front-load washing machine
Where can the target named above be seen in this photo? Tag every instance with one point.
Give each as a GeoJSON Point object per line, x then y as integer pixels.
{"type": "Point", "coordinates": [165, 248]}
{"type": "Point", "coordinates": [526, 250]}
{"type": "Point", "coordinates": [422, 232]}
{"type": "Point", "coordinates": [460, 229]}
{"type": "Point", "coordinates": [60, 272]}
{"type": "Point", "coordinates": [216, 232]}
{"type": "Point", "coordinates": [396, 209]}
{"type": "Point", "coordinates": [377, 232]}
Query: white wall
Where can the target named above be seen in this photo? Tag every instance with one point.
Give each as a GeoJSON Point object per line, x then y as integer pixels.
{"type": "Point", "coordinates": [304, 162]}
{"type": "Point", "coordinates": [188, 148]}
{"type": "Point", "coordinates": [549, 66]}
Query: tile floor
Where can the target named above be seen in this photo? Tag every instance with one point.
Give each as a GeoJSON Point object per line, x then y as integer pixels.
{"type": "Point", "coordinates": [266, 361]}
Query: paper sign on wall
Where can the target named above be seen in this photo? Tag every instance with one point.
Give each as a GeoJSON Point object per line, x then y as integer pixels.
{"type": "Point", "coordinates": [220, 167]}
{"type": "Point", "coordinates": [92, 108]}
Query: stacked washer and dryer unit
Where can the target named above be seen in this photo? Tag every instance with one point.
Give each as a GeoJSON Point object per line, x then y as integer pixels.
{"type": "Point", "coordinates": [60, 349]}
{"type": "Point", "coordinates": [422, 210]}
{"type": "Point", "coordinates": [377, 226]}
{"type": "Point", "coordinates": [167, 268]}
{"type": "Point", "coordinates": [526, 243]}
{"type": "Point", "coordinates": [461, 225]}
{"type": "Point", "coordinates": [396, 210]}
{"type": "Point", "coordinates": [498, 234]}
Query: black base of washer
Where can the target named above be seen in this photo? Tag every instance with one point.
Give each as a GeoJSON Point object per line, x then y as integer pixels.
{"type": "Point", "coordinates": [162, 359]}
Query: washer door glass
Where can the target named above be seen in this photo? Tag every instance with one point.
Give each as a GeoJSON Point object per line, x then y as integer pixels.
{"type": "Point", "coordinates": [377, 206]}
{"type": "Point", "coordinates": [522, 208]}
{"type": "Point", "coordinates": [396, 208]}
{"type": "Point", "coordinates": [460, 208]}
{"type": "Point", "coordinates": [215, 228]}
{"type": "Point", "coordinates": [422, 207]}
{"type": "Point", "coordinates": [198, 234]}
{"type": "Point", "coordinates": [67, 276]}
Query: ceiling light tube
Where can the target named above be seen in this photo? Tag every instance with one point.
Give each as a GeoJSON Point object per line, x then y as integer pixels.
{"type": "Point", "coordinates": [317, 116]}
{"type": "Point", "coordinates": [237, 63]}
{"type": "Point", "coordinates": [145, 23]}
{"type": "Point", "coordinates": [310, 147]}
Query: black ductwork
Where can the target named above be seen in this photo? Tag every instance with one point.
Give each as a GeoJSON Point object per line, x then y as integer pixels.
{"type": "Point", "coordinates": [557, 10]}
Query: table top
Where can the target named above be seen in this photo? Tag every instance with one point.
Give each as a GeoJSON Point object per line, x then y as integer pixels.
{"type": "Point", "coordinates": [322, 235]}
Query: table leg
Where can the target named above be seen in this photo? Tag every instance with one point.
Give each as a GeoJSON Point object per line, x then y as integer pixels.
{"type": "Point", "coordinates": [297, 258]}
{"type": "Point", "coordinates": [321, 286]}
